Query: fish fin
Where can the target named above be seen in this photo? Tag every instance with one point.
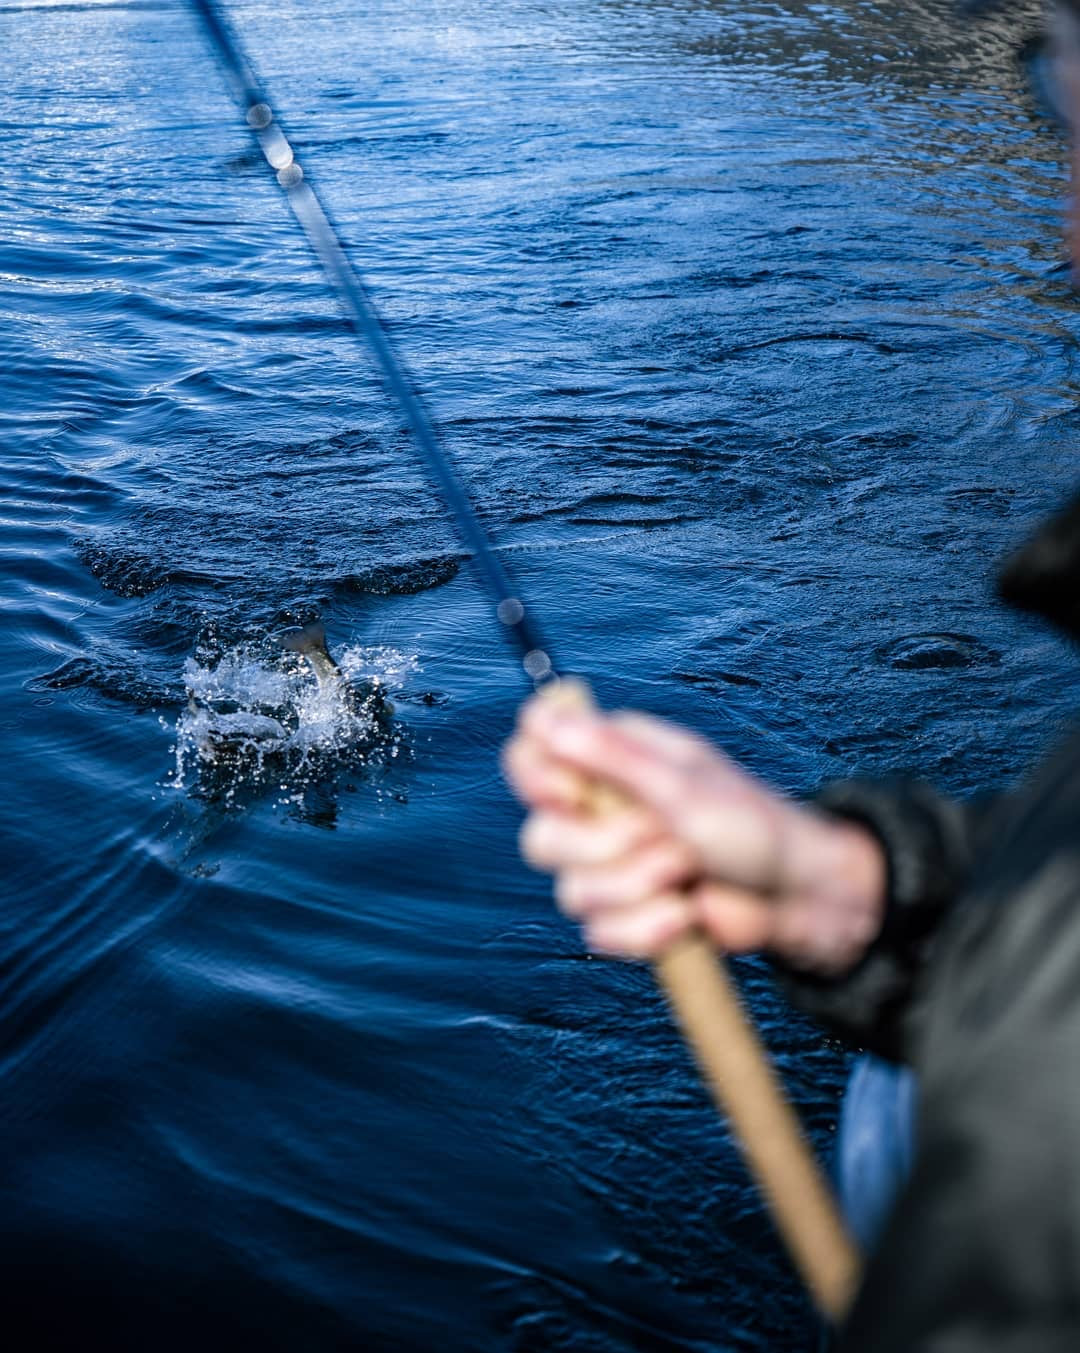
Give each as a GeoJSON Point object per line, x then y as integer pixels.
{"type": "Point", "coordinates": [310, 639]}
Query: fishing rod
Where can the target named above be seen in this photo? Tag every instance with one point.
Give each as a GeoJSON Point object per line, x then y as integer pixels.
{"type": "Point", "coordinates": [370, 328]}
{"type": "Point", "coordinates": [727, 1048]}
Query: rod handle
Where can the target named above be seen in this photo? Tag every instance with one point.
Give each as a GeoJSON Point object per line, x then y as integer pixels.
{"type": "Point", "coordinates": [747, 1091]}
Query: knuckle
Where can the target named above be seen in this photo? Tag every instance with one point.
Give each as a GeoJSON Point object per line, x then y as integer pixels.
{"type": "Point", "coordinates": [608, 839]}
{"type": "Point", "coordinates": [642, 933]}
{"type": "Point", "coordinates": [671, 917]}
{"type": "Point", "coordinates": [534, 842]}
{"type": "Point", "coordinates": [668, 789]}
{"type": "Point", "coordinates": [572, 894]}
{"type": "Point", "coordinates": [602, 939]}
{"type": "Point", "coordinates": [637, 944]}
{"type": "Point", "coordinates": [636, 828]}
{"type": "Point", "coordinates": [511, 760]}
{"type": "Point", "coordinates": [669, 863]}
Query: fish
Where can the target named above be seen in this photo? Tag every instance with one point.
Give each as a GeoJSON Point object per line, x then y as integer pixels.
{"type": "Point", "coordinates": [232, 735]}
{"type": "Point", "coordinates": [309, 641]}
{"type": "Point", "coordinates": [236, 735]}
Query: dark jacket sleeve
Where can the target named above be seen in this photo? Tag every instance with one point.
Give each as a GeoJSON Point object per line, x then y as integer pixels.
{"type": "Point", "coordinates": [931, 843]}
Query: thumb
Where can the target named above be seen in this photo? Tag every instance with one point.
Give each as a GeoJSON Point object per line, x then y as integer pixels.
{"type": "Point", "coordinates": [645, 759]}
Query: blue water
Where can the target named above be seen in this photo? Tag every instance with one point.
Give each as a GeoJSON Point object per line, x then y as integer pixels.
{"type": "Point", "coordinates": [747, 327]}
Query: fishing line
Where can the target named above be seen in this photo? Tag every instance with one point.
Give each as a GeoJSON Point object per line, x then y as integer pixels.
{"type": "Point", "coordinates": [370, 328]}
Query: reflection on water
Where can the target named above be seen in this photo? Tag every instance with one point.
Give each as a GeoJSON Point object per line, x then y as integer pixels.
{"type": "Point", "coordinates": [747, 326]}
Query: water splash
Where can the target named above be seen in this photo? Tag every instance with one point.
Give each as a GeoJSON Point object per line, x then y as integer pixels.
{"type": "Point", "coordinates": [257, 718]}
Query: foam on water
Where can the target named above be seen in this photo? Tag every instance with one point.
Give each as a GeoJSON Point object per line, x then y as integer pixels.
{"type": "Point", "coordinates": [255, 717]}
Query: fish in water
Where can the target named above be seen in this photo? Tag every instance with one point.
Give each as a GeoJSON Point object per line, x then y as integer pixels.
{"type": "Point", "coordinates": [310, 643]}
{"type": "Point", "coordinates": [219, 735]}
{"type": "Point", "coordinates": [254, 724]}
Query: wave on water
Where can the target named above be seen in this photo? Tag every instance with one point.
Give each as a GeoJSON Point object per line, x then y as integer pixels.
{"type": "Point", "coordinates": [257, 719]}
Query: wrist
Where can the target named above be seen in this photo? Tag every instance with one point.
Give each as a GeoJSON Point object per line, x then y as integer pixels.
{"type": "Point", "coordinates": [839, 887]}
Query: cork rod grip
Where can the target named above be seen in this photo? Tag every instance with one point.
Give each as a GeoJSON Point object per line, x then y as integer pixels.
{"type": "Point", "coordinates": [747, 1091]}
{"type": "Point", "coordinates": [745, 1088]}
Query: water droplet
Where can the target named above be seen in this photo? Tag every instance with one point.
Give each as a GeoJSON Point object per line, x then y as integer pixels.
{"type": "Point", "coordinates": [510, 611]}
{"type": "Point", "coordinates": [259, 116]}
{"type": "Point", "coordinates": [290, 176]}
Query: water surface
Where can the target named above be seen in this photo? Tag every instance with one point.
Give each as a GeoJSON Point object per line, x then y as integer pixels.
{"type": "Point", "coordinates": [747, 327]}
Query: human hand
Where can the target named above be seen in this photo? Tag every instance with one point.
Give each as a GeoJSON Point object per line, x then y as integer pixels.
{"type": "Point", "coordinates": [690, 841]}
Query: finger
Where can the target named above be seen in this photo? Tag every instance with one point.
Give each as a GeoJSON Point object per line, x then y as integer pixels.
{"type": "Point", "coordinates": [627, 879]}
{"type": "Point", "coordinates": [604, 751]}
{"type": "Point", "coordinates": [676, 744]}
{"type": "Point", "coordinates": [737, 920]}
{"type": "Point", "coordinates": [668, 739]}
{"type": "Point", "coordinates": [558, 840]}
{"type": "Point", "coordinates": [644, 931]}
{"type": "Point", "coordinates": [737, 824]}
{"type": "Point", "coordinates": [537, 779]}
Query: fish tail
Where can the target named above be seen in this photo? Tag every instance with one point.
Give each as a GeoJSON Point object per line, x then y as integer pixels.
{"type": "Point", "coordinates": [310, 639]}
